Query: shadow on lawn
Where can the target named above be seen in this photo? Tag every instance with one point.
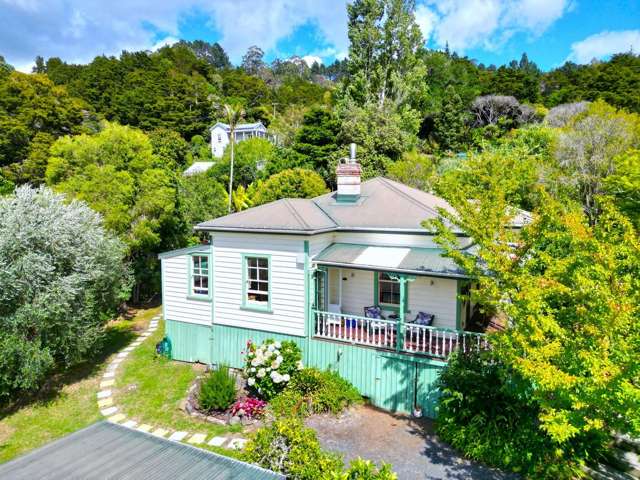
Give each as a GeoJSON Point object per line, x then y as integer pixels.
{"type": "Point", "coordinates": [115, 338]}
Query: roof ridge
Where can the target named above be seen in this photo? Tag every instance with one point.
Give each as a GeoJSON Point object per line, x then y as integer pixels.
{"type": "Point", "coordinates": [333, 220]}
{"type": "Point", "coordinates": [415, 201]}
{"type": "Point", "coordinates": [295, 213]}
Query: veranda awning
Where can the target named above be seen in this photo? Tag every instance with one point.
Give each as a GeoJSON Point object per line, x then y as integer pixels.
{"type": "Point", "coordinates": [410, 260]}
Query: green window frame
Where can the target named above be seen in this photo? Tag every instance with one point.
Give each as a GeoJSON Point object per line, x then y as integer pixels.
{"type": "Point", "coordinates": [200, 285]}
{"type": "Point", "coordinates": [256, 282]}
{"type": "Point", "coordinates": [378, 283]}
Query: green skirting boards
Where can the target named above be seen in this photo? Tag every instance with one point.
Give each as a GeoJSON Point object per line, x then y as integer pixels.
{"type": "Point", "coordinates": [394, 382]}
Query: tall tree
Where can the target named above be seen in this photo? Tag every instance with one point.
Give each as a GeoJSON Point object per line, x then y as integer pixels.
{"type": "Point", "coordinates": [233, 114]}
{"type": "Point", "coordinates": [450, 121]}
{"type": "Point", "coordinates": [252, 61]}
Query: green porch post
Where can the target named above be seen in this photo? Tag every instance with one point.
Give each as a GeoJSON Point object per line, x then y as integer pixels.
{"type": "Point", "coordinates": [402, 311]}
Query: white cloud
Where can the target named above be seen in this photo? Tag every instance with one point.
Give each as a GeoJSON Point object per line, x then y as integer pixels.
{"type": "Point", "coordinates": [78, 30]}
{"type": "Point", "coordinates": [311, 59]}
{"type": "Point", "coordinates": [603, 44]}
{"type": "Point", "coordinates": [488, 24]}
{"type": "Point", "coordinates": [426, 20]}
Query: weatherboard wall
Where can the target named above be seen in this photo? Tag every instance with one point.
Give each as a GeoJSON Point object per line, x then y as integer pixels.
{"type": "Point", "coordinates": [287, 305]}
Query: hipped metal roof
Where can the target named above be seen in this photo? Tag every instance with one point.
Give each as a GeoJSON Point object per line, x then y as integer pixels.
{"type": "Point", "coordinates": [106, 450]}
{"type": "Point", "coordinates": [383, 205]}
{"type": "Point", "coordinates": [412, 260]}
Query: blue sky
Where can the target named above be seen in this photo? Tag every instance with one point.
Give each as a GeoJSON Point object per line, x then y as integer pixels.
{"type": "Point", "coordinates": [490, 31]}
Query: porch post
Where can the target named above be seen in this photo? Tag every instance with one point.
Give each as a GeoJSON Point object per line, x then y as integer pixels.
{"type": "Point", "coordinates": [400, 325]}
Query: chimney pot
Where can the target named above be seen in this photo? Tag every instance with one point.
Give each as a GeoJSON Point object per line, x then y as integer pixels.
{"type": "Point", "coordinates": [348, 177]}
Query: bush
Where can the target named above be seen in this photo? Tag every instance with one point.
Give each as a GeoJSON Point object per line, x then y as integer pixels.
{"type": "Point", "coordinates": [360, 469]}
{"type": "Point", "coordinates": [249, 406]}
{"type": "Point", "coordinates": [61, 278]}
{"type": "Point", "coordinates": [288, 447]}
{"type": "Point", "coordinates": [270, 366]}
{"type": "Point", "coordinates": [293, 183]}
{"type": "Point", "coordinates": [481, 415]}
{"type": "Point", "coordinates": [217, 390]}
{"type": "Point", "coordinates": [315, 391]}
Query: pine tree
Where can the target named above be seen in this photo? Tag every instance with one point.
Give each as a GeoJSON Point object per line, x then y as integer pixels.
{"type": "Point", "coordinates": [450, 121]}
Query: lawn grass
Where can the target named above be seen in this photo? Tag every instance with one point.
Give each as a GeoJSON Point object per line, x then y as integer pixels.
{"type": "Point", "coordinates": [68, 401]}
{"type": "Point", "coordinates": [150, 388]}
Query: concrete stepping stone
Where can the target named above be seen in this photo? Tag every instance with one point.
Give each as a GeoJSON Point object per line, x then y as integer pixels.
{"type": "Point", "coordinates": [130, 424]}
{"type": "Point", "coordinates": [107, 383]}
{"type": "Point", "coordinates": [136, 343]}
{"type": "Point", "coordinates": [104, 394]}
{"type": "Point", "coordinates": [152, 329]}
{"type": "Point", "coordinates": [109, 374]}
{"type": "Point", "coordinates": [237, 443]}
{"type": "Point", "coordinates": [178, 436]}
{"type": "Point", "coordinates": [122, 354]}
{"type": "Point", "coordinates": [145, 334]}
{"type": "Point", "coordinates": [153, 323]}
{"type": "Point", "coordinates": [197, 438]}
{"type": "Point", "coordinates": [105, 402]}
{"type": "Point", "coordinates": [107, 412]}
{"type": "Point", "coordinates": [217, 441]}
{"type": "Point", "coordinates": [145, 428]}
{"type": "Point", "coordinates": [128, 349]}
{"type": "Point", "coordinates": [160, 432]}
{"type": "Point", "coordinates": [117, 418]}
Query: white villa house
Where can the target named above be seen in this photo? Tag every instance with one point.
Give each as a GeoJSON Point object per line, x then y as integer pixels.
{"type": "Point", "coordinates": [351, 276]}
{"type": "Point", "coordinates": [220, 133]}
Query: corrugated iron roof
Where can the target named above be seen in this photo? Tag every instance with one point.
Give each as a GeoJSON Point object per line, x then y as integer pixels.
{"type": "Point", "coordinates": [413, 260]}
{"type": "Point", "coordinates": [383, 205]}
{"type": "Point", "coordinates": [241, 126]}
{"type": "Point", "coordinates": [106, 450]}
{"type": "Point", "coordinates": [197, 167]}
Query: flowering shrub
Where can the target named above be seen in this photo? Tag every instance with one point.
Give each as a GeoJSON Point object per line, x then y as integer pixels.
{"type": "Point", "coordinates": [269, 366]}
{"type": "Point", "coordinates": [249, 407]}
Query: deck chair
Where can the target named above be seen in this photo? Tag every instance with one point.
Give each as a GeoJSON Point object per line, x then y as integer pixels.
{"type": "Point", "coordinates": [336, 309]}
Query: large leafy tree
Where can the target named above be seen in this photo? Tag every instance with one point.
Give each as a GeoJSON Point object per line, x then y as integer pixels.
{"type": "Point", "coordinates": [33, 109]}
{"type": "Point", "coordinates": [201, 198]}
{"type": "Point", "coordinates": [294, 183]}
{"type": "Point", "coordinates": [588, 146]}
{"type": "Point", "coordinates": [62, 277]}
{"type": "Point", "coordinates": [118, 175]}
{"type": "Point", "coordinates": [570, 293]}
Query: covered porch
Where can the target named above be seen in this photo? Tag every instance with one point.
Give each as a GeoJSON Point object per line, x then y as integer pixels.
{"type": "Point", "coordinates": [403, 299]}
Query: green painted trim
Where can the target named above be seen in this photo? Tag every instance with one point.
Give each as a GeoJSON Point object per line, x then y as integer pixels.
{"type": "Point", "coordinates": [376, 294]}
{"type": "Point", "coordinates": [190, 294]}
{"type": "Point", "coordinates": [212, 279]}
{"type": "Point", "coordinates": [246, 305]}
{"type": "Point", "coordinates": [347, 198]}
{"type": "Point", "coordinates": [458, 305]}
{"type": "Point", "coordinates": [307, 291]}
{"type": "Point", "coordinates": [162, 285]}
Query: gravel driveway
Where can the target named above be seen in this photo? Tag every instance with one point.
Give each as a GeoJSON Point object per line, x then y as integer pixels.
{"type": "Point", "coordinates": [410, 445]}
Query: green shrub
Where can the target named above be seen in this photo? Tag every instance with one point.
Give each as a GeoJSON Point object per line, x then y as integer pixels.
{"type": "Point", "coordinates": [288, 447]}
{"type": "Point", "coordinates": [491, 420]}
{"type": "Point", "coordinates": [315, 391]}
{"type": "Point", "coordinates": [270, 366]}
{"type": "Point", "coordinates": [217, 390]}
{"type": "Point", "coordinates": [360, 469]}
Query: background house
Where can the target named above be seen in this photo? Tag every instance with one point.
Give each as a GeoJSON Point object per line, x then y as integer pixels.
{"type": "Point", "coordinates": [220, 133]}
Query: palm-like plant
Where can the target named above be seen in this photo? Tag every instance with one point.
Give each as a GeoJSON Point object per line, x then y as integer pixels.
{"type": "Point", "coordinates": [233, 114]}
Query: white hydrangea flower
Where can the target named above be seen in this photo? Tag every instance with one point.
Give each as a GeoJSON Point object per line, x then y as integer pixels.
{"type": "Point", "coordinates": [277, 344]}
{"type": "Point", "coordinates": [252, 369]}
{"type": "Point", "coordinates": [275, 364]}
{"type": "Point", "coordinates": [299, 365]}
{"type": "Point", "coordinates": [271, 348]}
{"type": "Point", "coordinates": [286, 377]}
{"type": "Point", "coordinates": [276, 352]}
{"type": "Point", "coordinates": [251, 382]}
{"type": "Point", "coordinates": [276, 377]}
{"type": "Point", "coordinates": [279, 359]}
{"type": "Point", "coordinates": [261, 373]}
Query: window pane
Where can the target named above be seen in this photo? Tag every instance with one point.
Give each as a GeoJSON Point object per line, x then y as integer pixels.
{"type": "Point", "coordinates": [263, 274]}
{"type": "Point", "coordinates": [263, 263]}
{"type": "Point", "coordinates": [261, 298]}
{"type": "Point", "coordinates": [257, 286]}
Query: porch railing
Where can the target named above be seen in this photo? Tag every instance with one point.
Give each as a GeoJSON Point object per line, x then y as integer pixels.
{"type": "Point", "coordinates": [433, 341]}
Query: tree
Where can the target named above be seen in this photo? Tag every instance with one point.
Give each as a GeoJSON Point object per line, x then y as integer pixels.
{"type": "Point", "coordinates": [201, 199]}
{"type": "Point", "coordinates": [294, 183]}
{"type": "Point", "coordinates": [383, 66]}
{"type": "Point", "coordinates": [450, 122]}
{"type": "Point", "coordinates": [117, 174]}
{"type": "Point", "coordinates": [561, 115]}
{"type": "Point", "coordinates": [32, 105]}
{"type": "Point", "coordinates": [62, 277]}
{"type": "Point", "coordinates": [233, 114]}
{"type": "Point", "coordinates": [212, 53]}
{"type": "Point", "coordinates": [170, 147]}
{"type": "Point", "coordinates": [624, 185]}
{"type": "Point", "coordinates": [252, 61]}
{"type": "Point", "coordinates": [414, 169]}
{"type": "Point", "coordinates": [570, 292]}
{"type": "Point", "coordinates": [588, 147]}
{"type": "Point", "coordinates": [501, 110]}
{"type": "Point", "coordinates": [252, 157]}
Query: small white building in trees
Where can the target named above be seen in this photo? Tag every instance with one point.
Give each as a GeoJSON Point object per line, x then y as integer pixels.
{"type": "Point", "coordinates": [220, 135]}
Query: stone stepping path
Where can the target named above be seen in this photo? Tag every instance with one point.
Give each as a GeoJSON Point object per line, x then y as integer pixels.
{"type": "Point", "coordinates": [104, 399]}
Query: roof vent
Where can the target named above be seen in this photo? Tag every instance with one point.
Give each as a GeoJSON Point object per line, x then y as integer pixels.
{"type": "Point", "coordinates": [348, 177]}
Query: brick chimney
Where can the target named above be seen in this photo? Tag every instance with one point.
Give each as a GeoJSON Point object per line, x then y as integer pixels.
{"type": "Point", "coordinates": [348, 177]}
